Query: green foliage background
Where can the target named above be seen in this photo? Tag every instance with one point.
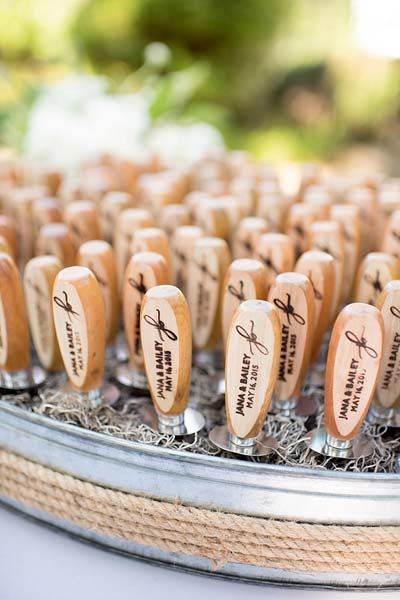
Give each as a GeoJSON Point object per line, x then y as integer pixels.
{"type": "Point", "coordinates": [279, 77]}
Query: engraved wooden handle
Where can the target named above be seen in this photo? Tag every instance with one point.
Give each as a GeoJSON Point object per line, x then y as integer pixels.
{"type": "Point", "coordinates": [390, 243]}
{"type": "Point", "coordinates": [152, 239]}
{"type": "Point", "coordinates": [112, 204]}
{"type": "Point", "coordinates": [319, 267]}
{"type": "Point", "coordinates": [247, 235]}
{"type": "Point", "coordinates": [209, 264]}
{"type": "Point", "coordinates": [182, 245]}
{"type": "Point", "coordinates": [39, 276]}
{"type": "Point", "coordinates": [173, 216]}
{"type": "Point", "coordinates": [56, 239]}
{"type": "Point", "coordinates": [387, 392]}
{"type": "Point", "coordinates": [354, 356]}
{"type": "Point", "coordinates": [7, 230]}
{"type": "Point", "coordinates": [212, 217]}
{"type": "Point", "coordinates": [167, 347]}
{"type": "Point", "coordinates": [348, 216]}
{"type": "Point", "coordinates": [83, 220]}
{"type": "Point", "coordinates": [98, 256]}
{"type": "Point", "coordinates": [44, 211]}
{"type": "Point", "coordinates": [299, 221]}
{"type": "Point", "coordinates": [5, 247]}
{"type": "Point", "coordinates": [246, 279]}
{"type": "Point", "coordinates": [251, 366]}
{"type": "Point", "coordinates": [14, 329]}
{"type": "Point", "coordinates": [292, 294]}
{"type": "Point", "coordinates": [375, 271]}
{"type": "Point", "coordinates": [327, 236]}
{"type": "Point", "coordinates": [129, 221]}
{"type": "Point", "coordinates": [144, 271]}
{"type": "Point", "coordinates": [79, 317]}
{"type": "Point", "coordinates": [276, 252]}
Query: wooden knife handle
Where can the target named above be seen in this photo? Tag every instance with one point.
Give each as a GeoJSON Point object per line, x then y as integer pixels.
{"type": "Point", "coordinates": [98, 256]}
{"type": "Point", "coordinates": [79, 317]}
{"type": "Point", "coordinates": [7, 230]}
{"type": "Point", "coordinates": [39, 275]}
{"type": "Point", "coordinates": [182, 246]}
{"type": "Point", "coordinates": [246, 279]}
{"type": "Point", "coordinates": [173, 216]}
{"type": "Point", "coordinates": [354, 357]}
{"type": "Point", "coordinates": [167, 347]}
{"type": "Point", "coordinates": [299, 220]}
{"type": "Point", "coordinates": [152, 239]}
{"type": "Point", "coordinates": [246, 236]}
{"type": "Point", "coordinates": [319, 267]}
{"type": "Point", "coordinates": [144, 271]}
{"type": "Point", "coordinates": [387, 389]}
{"type": "Point", "coordinates": [251, 368]}
{"type": "Point", "coordinates": [327, 236]}
{"type": "Point", "coordinates": [129, 221]}
{"type": "Point", "coordinates": [276, 252]}
{"type": "Point", "coordinates": [348, 216]}
{"type": "Point", "coordinates": [14, 328]}
{"type": "Point", "coordinates": [391, 239]}
{"type": "Point", "coordinates": [292, 294]}
{"type": "Point", "coordinates": [44, 211]}
{"type": "Point", "coordinates": [112, 204]}
{"type": "Point", "coordinates": [375, 271]}
{"type": "Point", "coordinates": [209, 264]}
{"type": "Point", "coordinates": [83, 220]}
{"type": "Point", "coordinates": [56, 239]}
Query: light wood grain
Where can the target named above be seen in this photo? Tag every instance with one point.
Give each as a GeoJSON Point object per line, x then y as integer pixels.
{"type": "Point", "coordinates": [327, 236]}
{"type": "Point", "coordinates": [79, 316]}
{"type": "Point", "coordinates": [299, 220]}
{"type": "Point", "coordinates": [129, 221]}
{"type": "Point", "coordinates": [246, 279]}
{"type": "Point", "coordinates": [167, 347]}
{"type": "Point", "coordinates": [212, 217]}
{"type": "Point", "coordinates": [56, 239]}
{"type": "Point", "coordinates": [390, 243]}
{"type": "Point", "coordinates": [182, 245]}
{"type": "Point", "coordinates": [111, 205]}
{"type": "Point", "coordinates": [39, 275]}
{"type": "Point", "coordinates": [44, 211]}
{"type": "Point", "coordinates": [320, 198]}
{"type": "Point", "coordinates": [375, 271]}
{"type": "Point", "coordinates": [247, 235]}
{"type": "Point", "coordinates": [348, 215]}
{"type": "Point", "coordinates": [354, 357]}
{"type": "Point", "coordinates": [210, 261]}
{"type": "Point", "coordinates": [271, 206]}
{"type": "Point", "coordinates": [98, 256]}
{"type": "Point", "coordinates": [251, 368]}
{"type": "Point", "coordinates": [366, 199]}
{"type": "Point", "coordinates": [388, 386]}
{"type": "Point", "coordinates": [292, 294]}
{"type": "Point", "coordinates": [173, 216]}
{"type": "Point", "coordinates": [276, 252]}
{"type": "Point", "coordinates": [144, 271]}
{"type": "Point", "coordinates": [319, 267]}
{"type": "Point", "coordinates": [153, 239]}
{"type": "Point", "coordinates": [8, 231]}
{"type": "Point", "coordinates": [83, 221]}
{"type": "Point", "coordinates": [14, 328]}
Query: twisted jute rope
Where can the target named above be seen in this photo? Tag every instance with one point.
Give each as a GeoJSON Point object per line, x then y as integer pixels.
{"type": "Point", "coordinates": [220, 537]}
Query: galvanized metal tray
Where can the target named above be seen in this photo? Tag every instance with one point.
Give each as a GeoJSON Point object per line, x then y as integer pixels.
{"type": "Point", "coordinates": [231, 485]}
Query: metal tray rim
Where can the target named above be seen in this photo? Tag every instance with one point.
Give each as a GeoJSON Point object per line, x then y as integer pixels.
{"type": "Point", "coordinates": [191, 457]}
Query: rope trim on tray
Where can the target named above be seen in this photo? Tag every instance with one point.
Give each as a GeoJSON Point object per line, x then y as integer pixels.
{"type": "Point", "coordinates": [220, 537]}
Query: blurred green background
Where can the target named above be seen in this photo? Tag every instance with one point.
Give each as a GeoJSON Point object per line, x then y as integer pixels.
{"type": "Point", "coordinates": [282, 78]}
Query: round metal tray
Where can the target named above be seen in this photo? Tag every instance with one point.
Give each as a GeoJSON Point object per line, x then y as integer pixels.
{"type": "Point", "coordinates": [230, 485]}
